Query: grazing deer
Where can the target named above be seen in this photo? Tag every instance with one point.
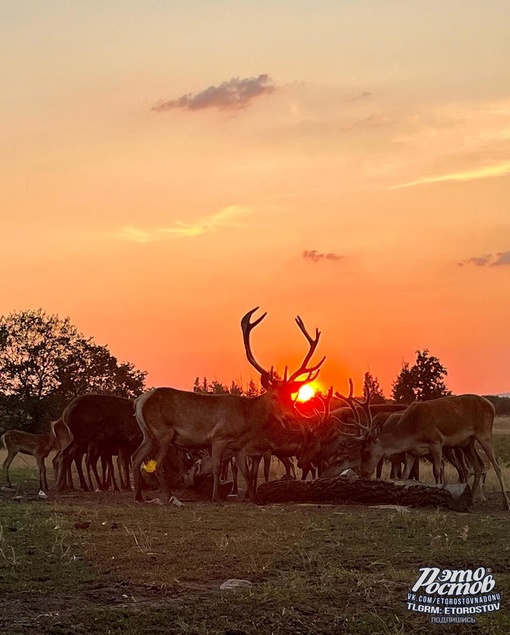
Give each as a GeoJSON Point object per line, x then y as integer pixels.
{"type": "Point", "coordinates": [38, 445]}
{"type": "Point", "coordinates": [323, 443]}
{"type": "Point", "coordinates": [102, 419]}
{"type": "Point", "coordinates": [425, 428]}
{"type": "Point", "coordinates": [169, 416]}
{"type": "Point", "coordinates": [63, 436]}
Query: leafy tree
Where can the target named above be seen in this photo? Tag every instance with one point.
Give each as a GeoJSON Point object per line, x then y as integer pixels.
{"type": "Point", "coordinates": [235, 389]}
{"type": "Point", "coordinates": [45, 362]}
{"type": "Point", "coordinates": [217, 388]}
{"type": "Point", "coordinates": [200, 387]}
{"type": "Point", "coordinates": [376, 393]}
{"type": "Point", "coordinates": [422, 381]}
{"type": "Point", "coordinates": [403, 386]}
{"type": "Point", "coordinates": [253, 390]}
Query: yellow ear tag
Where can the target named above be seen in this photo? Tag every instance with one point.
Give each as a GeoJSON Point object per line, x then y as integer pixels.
{"type": "Point", "coordinates": [150, 466]}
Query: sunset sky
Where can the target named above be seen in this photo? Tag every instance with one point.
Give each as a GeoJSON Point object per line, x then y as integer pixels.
{"type": "Point", "coordinates": [167, 166]}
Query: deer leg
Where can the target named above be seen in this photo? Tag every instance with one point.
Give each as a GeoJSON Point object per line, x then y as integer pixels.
{"type": "Point", "coordinates": [123, 461]}
{"type": "Point", "coordinates": [478, 461]}
{"type": "Point", "coordinates": [96, 458]}
{"type": "Point", "coordinates": [470, 452]}
{"type": "Point", "coordinates": [217, 448]}
{"type": "Point", "coordinates": [78, 460]}
{"type": "Point", "coordinates": [471, 457]}
{"type": "Point", "coordinates": [5, 467]}
{"type": "Point", "coordinates": [111, 475]}
{"type": "Point", "coordinates": [124, 470]}
{"type": "Point", "coordinates": [224, 470]}
{"type": "Point", "coordinates": [163, 447]}
{"type": "Point", "coordinates": [137, 459]}
{"type": "Point", "coordinates": [290, 470]}
{"type": "Point", "coordinates": [489, 451]}
{"type": "Point", "coordinates": [436, 454]}
{"type": "Point", "coordinates": [409, 462]}
{"type": "Point", "coordinates": [254, 473]}
{"type": "Point", "coordinates": [43, 483]}
{"type": "Point", "coordinates": [415, 470]}
{"type": "Point", "coordinates": [240, 457]}
{"type": "Point", "coordinates": [70, 453]}
{"type": "Point", "coordinates": [267, 467]}
{"type": "Point", "coordinates": [54, 463]}
{"type": "Point", "coordinates": [107, 472]}
{"type": "Point", "coordinates": [378, 469]}
{"type": "Point", "coordinates": [235, 471]}
{"type": "Point", "coordinates": [91, 464]}
{"type": "Point", "coordinates": [69, 478]}
{"type": "Point", "coordinates": [79, 468]}
{"type": "Point", "coordinates": [235, 476]}
{"type": "Point", "coordinates": [88, 465]}
{"type": "Point", "coordinates": [106, 475]}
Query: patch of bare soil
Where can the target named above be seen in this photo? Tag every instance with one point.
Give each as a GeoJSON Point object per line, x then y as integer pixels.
{"type": "Point", "coordinates": [38, 613]}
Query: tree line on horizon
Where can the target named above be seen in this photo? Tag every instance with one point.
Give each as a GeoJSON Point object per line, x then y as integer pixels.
{"type": "Point", "coordinates": [45, 362]}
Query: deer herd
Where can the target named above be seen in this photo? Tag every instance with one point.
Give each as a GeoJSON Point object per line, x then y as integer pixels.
{"type": "Point", "coordinates": [165, 430]}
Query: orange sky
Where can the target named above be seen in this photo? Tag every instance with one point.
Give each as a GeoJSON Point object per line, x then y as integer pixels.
{"type": "Point", "coordinates": [165, 167]}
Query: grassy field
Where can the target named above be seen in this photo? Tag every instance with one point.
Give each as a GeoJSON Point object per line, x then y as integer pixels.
{"type": "Point", "coordinates": [100, 564]}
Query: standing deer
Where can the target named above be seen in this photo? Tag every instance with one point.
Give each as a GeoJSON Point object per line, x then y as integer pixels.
{"type": "Point", "coordinates": [169, 416]}
{"type": "Point", "coordinates": [101, 419]}
{"type": "Point", "coordinates": [38, 445]}
{"type": "Point", "coordinates": [425, 428]}
{"type": "Point", "coordinates": [324, 443]}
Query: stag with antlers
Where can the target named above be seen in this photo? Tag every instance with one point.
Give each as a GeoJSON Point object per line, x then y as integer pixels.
{"type": "Point", "coordinates": [425, 428]}
{"type": "Point", "coordinates": [168, 416]}
{"type": "Point", "coordinates": [324, 443]}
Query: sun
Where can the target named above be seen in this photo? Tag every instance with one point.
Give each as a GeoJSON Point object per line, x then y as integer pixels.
{"type": "Point", "coordinates": [305, 393]}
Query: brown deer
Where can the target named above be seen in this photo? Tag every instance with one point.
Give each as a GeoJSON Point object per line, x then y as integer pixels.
{"type": "Point", "coordinates": [323, 443]}
{"type": "Point", "coordinates": [425, 428]}
{"type": "Point", "coordinates": [63, 437]}
{"type": "Point", "coordinates": [38, 445]}
{"type": "Point", "coordinates": [102, 419]}
{"type": "Point", "coordinates": [169, 416]}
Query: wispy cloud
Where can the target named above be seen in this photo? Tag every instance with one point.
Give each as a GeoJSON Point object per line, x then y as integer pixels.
{"type": "Point", "coordinates": [227, 217]}
{"type": "Point", "coordinates": [457, 141]}
{"type": "Point", "coordinates": [491, 260]}
{"type": "Point", "coordinates": [312, 255]}
{"type": "Point", "coordinates": [484, 172]}
{"type": "Point", "coordinates": [234, 94]}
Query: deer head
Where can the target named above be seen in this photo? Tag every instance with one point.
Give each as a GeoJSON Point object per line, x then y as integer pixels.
{"type": "Point", "coordinates": [282, 389]}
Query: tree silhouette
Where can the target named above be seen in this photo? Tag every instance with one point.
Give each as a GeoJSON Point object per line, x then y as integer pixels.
{"type": "Point", "coordinates": [372, 383]}
{"type": "Point", "coordinates": [422, 381]}
{"type": "Point", "coordinates": [215, 387]}
{"type": "Point", "coordinates": [45, 362]}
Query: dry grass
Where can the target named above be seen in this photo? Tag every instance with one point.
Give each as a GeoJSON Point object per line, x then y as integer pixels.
{"type": "Point", "coordinates": [316, 570]}
{"type": "Point", "coordinates": [98, 563]}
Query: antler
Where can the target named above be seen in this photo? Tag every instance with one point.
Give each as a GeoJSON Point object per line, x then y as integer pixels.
{"type": "Point", "coordinates": [312, 372]}
{"type": "Point", "coordinates": [326, 404]}
{"type": "Point", "coordinates": [326, 407]}
{"type": "Point", "coordinates": [247, 327]}
{"type": "Point", "coordinates": [354, 404]}
{"type": "Point", "coordinates": [313, 342]}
